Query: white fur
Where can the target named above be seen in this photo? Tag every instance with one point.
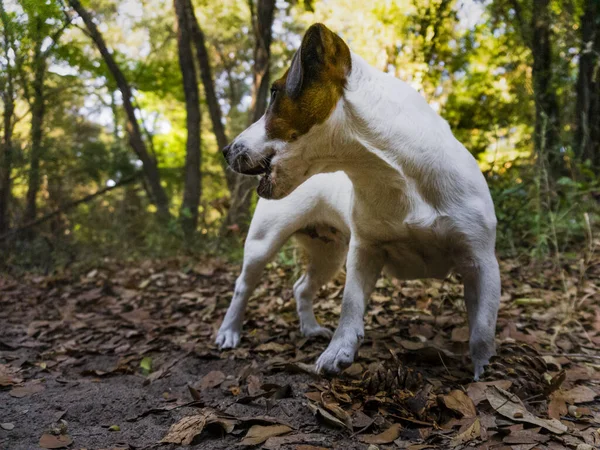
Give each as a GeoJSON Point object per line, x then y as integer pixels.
{"type": "Point", "coordinates": [417, 207]}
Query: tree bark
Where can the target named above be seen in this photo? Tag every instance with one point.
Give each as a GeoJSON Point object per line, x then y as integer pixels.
{"type": "Point", "coordinates": [587, 131]}
{"type": "Point", "coordinates": [192, 177]}
{"type": "Point", "coordinates": [38, 109]}
{"type": "Point", "coordinates": [8, 98]}
{"type": "Point", "coordinates": [262, 23]}
{"type": "Point", "coordinates": [150, 167]}
{"type": "Point", "coordinates": [547, 124]}
{"type": "Point", "coordinates": [214, 109]}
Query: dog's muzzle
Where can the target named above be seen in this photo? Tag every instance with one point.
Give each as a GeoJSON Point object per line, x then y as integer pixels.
{"type": "Point", "coordinates": [237, 156]}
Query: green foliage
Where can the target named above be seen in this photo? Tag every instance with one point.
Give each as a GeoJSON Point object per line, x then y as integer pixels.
{"type": "Point", "coordinates": [472, 61]}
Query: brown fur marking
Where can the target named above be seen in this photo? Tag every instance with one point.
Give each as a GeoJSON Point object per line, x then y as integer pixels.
{"type": "Point", "coordinates": [326, 62]}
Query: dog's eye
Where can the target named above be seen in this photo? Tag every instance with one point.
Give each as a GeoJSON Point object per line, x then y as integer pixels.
{"type": "Point", "coordinates": [273, 93]}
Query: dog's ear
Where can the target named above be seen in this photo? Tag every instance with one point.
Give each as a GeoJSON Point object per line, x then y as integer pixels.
{"type": "Point", "coordinates": [321, 51]}
{"type": "Point", "coordinates": [295, 76]}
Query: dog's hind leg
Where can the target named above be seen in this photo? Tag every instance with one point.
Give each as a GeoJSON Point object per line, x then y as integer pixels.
{"type": "Point", "coordinates": [325, 261]}
{"type": "Point", "coordinates": [482, 297]}
{"type": "Point", "coordinates": [261, 245]}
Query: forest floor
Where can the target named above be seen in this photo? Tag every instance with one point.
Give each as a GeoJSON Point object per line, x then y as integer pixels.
{"type": "Point", "coordinates": [124, 357]}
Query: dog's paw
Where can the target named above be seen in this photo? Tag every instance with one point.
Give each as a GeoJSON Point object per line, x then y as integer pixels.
{"type": "Point", "coordinates": [339, 354]}
{"type": "Point", "coordinates": [479, 368]}
{"type": "Point", "coordinates": [316, 330]}
{"type": "Point", "coordinates": [227, 338]}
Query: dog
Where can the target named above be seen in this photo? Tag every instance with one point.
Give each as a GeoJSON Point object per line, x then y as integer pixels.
{"type": "Point", "coordinates": [412, 203]}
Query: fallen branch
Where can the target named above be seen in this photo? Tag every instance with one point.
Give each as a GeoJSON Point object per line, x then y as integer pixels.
{"type": "Point", "coordinates": [69, 206]}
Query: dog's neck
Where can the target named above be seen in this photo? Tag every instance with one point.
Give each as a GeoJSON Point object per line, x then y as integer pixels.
{"type": "Point", "coordinates": [383, 134]}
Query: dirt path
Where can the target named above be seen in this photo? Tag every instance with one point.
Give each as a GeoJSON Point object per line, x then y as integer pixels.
{"type": "Point", "coordinates": [115, 358]}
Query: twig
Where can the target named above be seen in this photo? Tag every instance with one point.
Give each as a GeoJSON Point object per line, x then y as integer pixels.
{"type": "Point", "coordinates": [573, 355]}
{"type": "Point", "coordinates": [71, 205]}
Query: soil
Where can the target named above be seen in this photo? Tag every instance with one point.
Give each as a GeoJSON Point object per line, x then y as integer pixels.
{"type": "Point", "coordinates": [117, 356]}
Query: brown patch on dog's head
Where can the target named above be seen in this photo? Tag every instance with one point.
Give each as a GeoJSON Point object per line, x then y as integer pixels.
{"type": "Point", "coordinates": [308, 92]}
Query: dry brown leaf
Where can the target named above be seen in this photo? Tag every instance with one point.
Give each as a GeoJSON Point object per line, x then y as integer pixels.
{"type": "Point", "coordinates": [258, 434]}
{"type": "Point", "coordinates": [8, 376]}
{"type": "Point", "coordinates": [326, 416]}
{"type": "Point", "coordinates": [510, 406]}
{"type": "Point", "coordinates": [459, 402]}
{"type": "Point", "coordinates": [460, 334]}
{"type": "Point", "coordinates": [254, 384]}
{"type": "Point", "coordinates": [526, 437]}
{"type": "Point", "coordinates": [473, 431]}
{"type": "Point", "coordinates": [557, 406]}
{"type": "Point", "coordinates": [579, 394]}
{"type": "Point", "coordinates": [184, 431]}
{"type": "Point", "coordinates": [387, 437]}
{"type": "Point", "coordinates": [272, 347]}
{"type": "Point", "coordinates": [26, 390]}
{"type": "Point", "coordinates": [275, 443]}
{"type": "Point", "coordinates": [52, 441]}
{"type": "Point", "coordinates": [476, 390]}
{"type": "Point", "coordinates": [211, 380]}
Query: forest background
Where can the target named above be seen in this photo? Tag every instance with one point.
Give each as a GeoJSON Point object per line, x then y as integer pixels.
{"type": "Point", "coordinates": [113, 114]}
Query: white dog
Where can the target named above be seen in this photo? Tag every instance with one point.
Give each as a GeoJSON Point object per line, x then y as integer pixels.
{"type": "Point", "coordinates": [416, 204]}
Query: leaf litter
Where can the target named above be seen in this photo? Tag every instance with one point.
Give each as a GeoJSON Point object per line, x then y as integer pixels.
{"type": "Point", "coordinates": [151, 326]}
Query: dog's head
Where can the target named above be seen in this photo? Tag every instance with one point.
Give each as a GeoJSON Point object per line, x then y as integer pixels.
{"type": "Point", "coordinates": [277, 145]}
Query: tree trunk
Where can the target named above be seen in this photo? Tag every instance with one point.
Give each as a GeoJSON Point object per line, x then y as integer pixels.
{"type": "Point", "coordinates": [8, 98]}
{"type": "Point", "coordinates": [547, 126]}
{"type": "Point", "coordinates": [214, 109]}
{"type": "Point", "coordinates": [587, 131]}
{"type": "Point", "coordinates": [133, 128]}
{"type": "Point", "coordinates": [38, 109]}
{"type": "Point", "coordinates": [262, 23]}
{"type": "Point", "coordinates": [192, 180]}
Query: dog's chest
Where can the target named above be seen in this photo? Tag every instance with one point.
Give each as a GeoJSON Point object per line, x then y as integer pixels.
{"type": "Point", "coordinates": [416, 239]}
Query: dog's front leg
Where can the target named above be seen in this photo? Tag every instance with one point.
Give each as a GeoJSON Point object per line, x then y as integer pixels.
{"type": "Point", "coordinates": [364, 266]}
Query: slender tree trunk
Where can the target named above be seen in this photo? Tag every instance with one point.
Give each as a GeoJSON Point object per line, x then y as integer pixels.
{"type": "Point", "coordinates": [8, 99]}
{"type": "Point", "coordinates": [38, 109]}
{"type": "Point", "coordinates": [587, 132]}
{"type": "Point", "coordinates": [192, 180]}
{"type": "Point", "coordinates": [214, 109]}
{"type": "Point", "coordinates": [262, 23]}
{"type": "Point", "coordinates": [547, 125]}
{"type": "Point", "coordinates": [150, 167]}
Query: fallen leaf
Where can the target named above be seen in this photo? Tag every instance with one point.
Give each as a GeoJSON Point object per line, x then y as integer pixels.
{"type": "Point", "coordinates": [510, 406]}
{"type": "Point", "coordinates": [253, 384]}
{"type": "Point", "coordinates": [259, 434]}
{"type": "Point", "coordinates": [472, 432]}
{"type": "Point", "coordinates": [579, 394]}
{"type": "Point", "coordinates": [184, 431]}
{"type": "Point", "coordinates": [476, 391]}
{"type": "Point", "coordinates": [526, 437]}
{"type": "Point", "coordinates": [557, 406]}
{"type": "Point", "coordinates": [272, 347]}
{"type": "Point", "coordinates": [275, 443]}
{"type": "Point", "coordinates": [26, 390]}
{"type": "Point", "coordinates": [459, 402]}
{"type": "Point", "coordinates": [52, 441]}
{"type": "Point", "coordinates": [387, 437]}
{"type": "Point", "coordinates": [326, 416]}
{"type": "Point", "coordinates": [211, 380]}
{"type": "Point", "coordinates": [460, 334]}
